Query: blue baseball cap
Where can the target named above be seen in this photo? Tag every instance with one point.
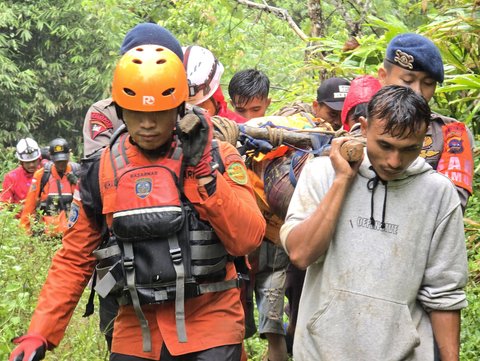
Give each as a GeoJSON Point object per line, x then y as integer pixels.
{"type": "Point", "coordinates": [150, 33]}
{"type": "Point", "coordinates": [416, 52]}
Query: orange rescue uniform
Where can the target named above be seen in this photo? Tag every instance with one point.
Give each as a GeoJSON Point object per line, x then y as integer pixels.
{"type": "Point", "coordinates": [34, 197]}
{"type": "Point", "coordinates": [212, 319]}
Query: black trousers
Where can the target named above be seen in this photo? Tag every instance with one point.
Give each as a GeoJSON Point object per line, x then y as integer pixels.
{"type": "Point", "coordinates": [108, 311]}
{"type": "Point", "coordinates": [221, 353]}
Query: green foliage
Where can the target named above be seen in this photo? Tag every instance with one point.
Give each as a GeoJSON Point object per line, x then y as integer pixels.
{"type": "Point", "coordinates": [56, 59]}
{"type": "Point", "coordinates": [456, 33]}
{"type": "Point", "coordinates": [470, 335]}
{"type": "Point", "coordinates": [241, 38]}
{"type": "Point", "coordinates": [24, 262]}
{"type": "Point", "coordinates": [23, 266]}
{"type": "Point", "coordinates": [47, 55]}
{"type": "Point", "coordinates": [7, 160]}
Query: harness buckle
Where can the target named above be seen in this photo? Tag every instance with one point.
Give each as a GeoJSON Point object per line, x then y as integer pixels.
{"type": "Point", "coordinates": [176, 254]}
{"type": "Point", "coordinates": [128, 263]}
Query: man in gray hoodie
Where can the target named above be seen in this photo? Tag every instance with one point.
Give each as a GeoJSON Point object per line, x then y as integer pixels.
{"type": "Point", "coordinates": [383, 241]}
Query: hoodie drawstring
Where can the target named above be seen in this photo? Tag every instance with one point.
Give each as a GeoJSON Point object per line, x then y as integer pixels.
{"type": "Point", "coordinates": [372, 185]}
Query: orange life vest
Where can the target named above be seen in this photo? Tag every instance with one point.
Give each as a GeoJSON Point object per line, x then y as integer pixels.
{"type": "Point", "coordinates": [159, 249]}
{"type": "Point", "coordinates": [55, 202]}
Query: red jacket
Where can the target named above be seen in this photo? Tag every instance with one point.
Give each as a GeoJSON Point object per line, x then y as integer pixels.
{"type": "Point", "coordinates": [213, 319]}
{"type": "Point", "coordinates": [223, 108]}
{"type": "Point", "coordinates": [15, 185]}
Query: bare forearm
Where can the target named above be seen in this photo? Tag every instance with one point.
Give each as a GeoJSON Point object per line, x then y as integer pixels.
{"type": "Point", "coordinates": [311, 238]}
{"type": "Point", "coordinates": [446, 328]}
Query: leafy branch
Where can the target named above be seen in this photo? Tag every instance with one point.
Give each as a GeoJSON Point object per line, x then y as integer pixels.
{"type": "Point", "coordinates": [279, 12]}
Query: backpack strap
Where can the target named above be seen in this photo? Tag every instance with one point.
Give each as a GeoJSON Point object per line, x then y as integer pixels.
{"type": "Point", "coordinates": [177, 260]}
{"type": "Point", "coordinates": [47, 170]}
{"type": "Point", "coordinates": [118, 155]}
{"type": "Point", "coordinates": [60, 199]}
{"type": "Point", "coordinates": [120, 130]}
{"type": "Point", "coordinates": [128, 264]}
{"type": "Point", "coordinates": [75, 168]}
{"type": "Point", "coordinates": [216, 156]}
{"type": "Point", "coordinates": [92, 204]}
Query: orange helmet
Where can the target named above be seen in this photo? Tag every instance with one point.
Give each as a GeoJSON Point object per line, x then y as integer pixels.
{"type": "Point", "coordinates": [149, 78]}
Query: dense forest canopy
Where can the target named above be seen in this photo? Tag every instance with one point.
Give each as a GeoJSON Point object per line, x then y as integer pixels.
{"type": "Point", "coordinates": [56, 58]}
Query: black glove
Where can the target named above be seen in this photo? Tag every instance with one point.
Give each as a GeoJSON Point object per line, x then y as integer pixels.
{"type": "Point", "coordinates": [72, 178]}
{"type": "Point", "coordinates": [195, 132]}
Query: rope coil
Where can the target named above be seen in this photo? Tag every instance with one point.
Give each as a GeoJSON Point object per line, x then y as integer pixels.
{"type": "Point", "coordinates": [225, 129]}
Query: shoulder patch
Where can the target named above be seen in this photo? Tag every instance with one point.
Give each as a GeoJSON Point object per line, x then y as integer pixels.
{"type": "Point", "coordinates": [99, 123]}
{"type": "Point", "coordinates": [231, 158]}
{"type": "Point", "coordinates": [73, 216]}
{"type": "Point", "coordinates": [237, 172]}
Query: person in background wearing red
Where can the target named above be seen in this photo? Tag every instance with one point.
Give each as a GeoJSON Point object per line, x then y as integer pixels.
{"type": "Point", "coordinates": [17, 182]}
{"type": "Point", "coordinates": [204, 72]}
{"type": "Point", "coordinates": [362, 89]}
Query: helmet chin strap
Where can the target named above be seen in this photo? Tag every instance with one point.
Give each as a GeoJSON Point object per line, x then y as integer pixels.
{"type": "Point", "coordinates": [181, 110]}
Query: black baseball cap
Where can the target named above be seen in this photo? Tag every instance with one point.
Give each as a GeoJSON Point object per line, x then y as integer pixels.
{"type": "Point", "coordinates": [59, 150]}
{"type": "Point", "coordinates": [333, 92]}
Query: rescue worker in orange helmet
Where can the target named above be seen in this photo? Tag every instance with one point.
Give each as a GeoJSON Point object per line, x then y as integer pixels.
{"type": "Point", "coordinates": [52, 189]}
{"type": "Point", "coordinates": [17, 182]}
{"type": "Point", "coordinates": [173, 220]}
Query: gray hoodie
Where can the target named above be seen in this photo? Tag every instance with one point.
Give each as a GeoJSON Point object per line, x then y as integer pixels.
{"type": "Point", "coordinates": [368, 296]}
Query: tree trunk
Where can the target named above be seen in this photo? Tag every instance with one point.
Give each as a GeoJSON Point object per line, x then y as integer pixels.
{"type": "Point", "coordinates": [316, 16]}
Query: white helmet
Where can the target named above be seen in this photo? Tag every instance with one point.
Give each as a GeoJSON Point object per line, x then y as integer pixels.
{"type": "Point", "coordinates": [203, 72]}
{"type": "Point", "coordinates": [27, 150]}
